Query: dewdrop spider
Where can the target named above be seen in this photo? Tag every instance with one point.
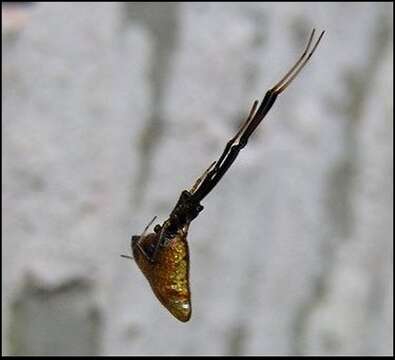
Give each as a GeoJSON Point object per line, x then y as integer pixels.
{"type": "Point", "coordinates": [163, 255]}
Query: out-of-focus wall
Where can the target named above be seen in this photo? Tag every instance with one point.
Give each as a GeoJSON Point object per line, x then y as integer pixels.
{"type": "Point", "coordinates": [110, 110]}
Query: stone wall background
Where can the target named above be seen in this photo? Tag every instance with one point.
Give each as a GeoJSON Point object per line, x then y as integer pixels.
{"type": "Point", "coordinates": [111, 109]}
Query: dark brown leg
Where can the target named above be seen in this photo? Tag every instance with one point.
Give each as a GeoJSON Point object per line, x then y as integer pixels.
{"type": "Point", "coordinates": [239, 141]}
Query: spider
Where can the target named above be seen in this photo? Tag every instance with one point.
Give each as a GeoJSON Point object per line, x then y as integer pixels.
{"type": "Point", "coordinates": [163, 255]}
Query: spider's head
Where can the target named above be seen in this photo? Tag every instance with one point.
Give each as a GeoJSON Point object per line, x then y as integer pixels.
{"type": "Point", "coordinates": [145, 243]}
{"type": "Point", "coordinates": [133, 241]}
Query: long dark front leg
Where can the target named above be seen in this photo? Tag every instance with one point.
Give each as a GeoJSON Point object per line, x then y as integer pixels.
{"type": "Point", "coordinates": [188, 205]}
{"type": "Point", "coordinates": [239, 141]}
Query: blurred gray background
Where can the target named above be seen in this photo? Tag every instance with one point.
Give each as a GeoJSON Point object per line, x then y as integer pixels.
{"type": "Point", "coordinates": [111, 109]}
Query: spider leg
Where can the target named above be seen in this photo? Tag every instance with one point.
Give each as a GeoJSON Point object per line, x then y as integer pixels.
{"type": "Point", "coordinates": [295, 70]}
{"type": "Point", "coordinates": [239, 141]}
{"type": "Point", "coordinates": [241, 130]}
{"type": "Point", "coordinates": [201, 178]}
{"type": "Point", "coordinates": [205, 183]}
{"type": "Point", "coordinates": [148, 225]}
{"type": "Point", "coordinates": [277, 89]}
{"type": "Point", "coordinates": [210, 171]}
{"type": "Point", "coordinates": [226, 159]}
{"type": "Point", "coordinates": [284, 78]}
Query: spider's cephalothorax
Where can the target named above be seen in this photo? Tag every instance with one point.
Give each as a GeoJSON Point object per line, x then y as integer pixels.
{"type": "Point", "coordinates": [163, 255]}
